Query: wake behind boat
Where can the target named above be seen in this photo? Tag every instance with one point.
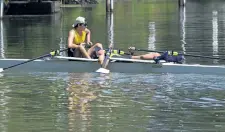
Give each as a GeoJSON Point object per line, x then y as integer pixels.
{"type": "Point", "coordinates": [119, 65]}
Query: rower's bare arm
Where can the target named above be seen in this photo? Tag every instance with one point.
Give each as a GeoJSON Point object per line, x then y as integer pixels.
{"type": "Point", "coordinates": [70, 40]}
{"type": "Point", "coordinates": [88, 37]}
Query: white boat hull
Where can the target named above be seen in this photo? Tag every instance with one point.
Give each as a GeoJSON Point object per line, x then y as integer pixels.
{"type": "Point", "coordinates": [61, 64]}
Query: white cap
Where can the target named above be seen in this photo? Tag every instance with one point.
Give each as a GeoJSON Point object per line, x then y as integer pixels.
{"type": "Point", "coordinates": [79, 20]}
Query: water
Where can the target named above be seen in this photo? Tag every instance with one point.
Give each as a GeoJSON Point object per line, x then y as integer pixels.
{"type": "Point", "coordinates": [56, 102]}
{"type": "Point", "coordinates": [117, 102]}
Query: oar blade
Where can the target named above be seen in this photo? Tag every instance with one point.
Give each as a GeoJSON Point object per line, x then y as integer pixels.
{"type": "Point", "coordinates": [103, 70]}
{"type": "Point", "coordinates": [1, 70]}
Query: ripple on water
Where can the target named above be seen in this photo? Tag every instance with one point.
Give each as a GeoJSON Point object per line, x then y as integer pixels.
{"type": "Point", "coordinates": [136, 101]}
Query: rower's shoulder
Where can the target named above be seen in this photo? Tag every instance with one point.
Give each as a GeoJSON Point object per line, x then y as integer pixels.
{"type": "Point", "coordinates": [71, 32]}
{"type": "Point", "coordinates": [87, 30]}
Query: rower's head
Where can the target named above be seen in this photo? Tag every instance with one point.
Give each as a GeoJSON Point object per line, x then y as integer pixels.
{"type": "Point", "coordinates": [80, 23]}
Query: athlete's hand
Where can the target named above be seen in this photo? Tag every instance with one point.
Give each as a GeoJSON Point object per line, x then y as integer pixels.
{"type": "Point", "coordinates": [82, 44]}
{"type": "Point", "coordinates": [90, 43]}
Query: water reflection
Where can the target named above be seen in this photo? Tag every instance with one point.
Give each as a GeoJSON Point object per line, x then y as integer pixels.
{"type": "Point", "coordinates": [83, 89]}
{"type": "Point", "coordinates": [80, 92]}
{"type": "Point", "coordinates": [2, 42]}
{"type": "Point", "coordinates": [110, 27]}
{"type": "Point", "coordinates": [80, 95]}
{"type": "Point", "coordinates": [183, 31]}
{"type": "Point", "coordinates": [215, 34]}
{"type": "Point", "coordinates": [63, 37]}
{"type": "Point", "coordinates": [4, 112]}
{"type": "Point", "coordinates": [152, 35]}
{"type": "Point", "coordinates": [31, 36]}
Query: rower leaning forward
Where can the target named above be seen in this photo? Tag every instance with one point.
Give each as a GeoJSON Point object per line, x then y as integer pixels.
{"type": "Point", "coordinates": [79, 39]}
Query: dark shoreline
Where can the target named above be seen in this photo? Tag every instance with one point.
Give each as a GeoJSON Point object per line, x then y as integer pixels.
{"type": "Point", "coordinates": [41, 8]}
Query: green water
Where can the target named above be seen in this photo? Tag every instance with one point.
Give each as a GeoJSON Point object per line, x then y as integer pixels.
{"type": "Point", "coordinates": [116, 102]}
{"type": "Point", "coordinates": [89, 102]}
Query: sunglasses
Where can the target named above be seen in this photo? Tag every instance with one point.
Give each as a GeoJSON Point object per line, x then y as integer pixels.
{"type": "Point", "coordinates": [82, 24]}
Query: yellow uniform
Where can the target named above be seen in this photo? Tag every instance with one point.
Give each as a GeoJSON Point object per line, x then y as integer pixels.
{"type": "Point", "coordinates": [78, 39]}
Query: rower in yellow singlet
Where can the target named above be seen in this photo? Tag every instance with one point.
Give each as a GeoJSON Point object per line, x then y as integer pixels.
{"type": "Point", "coordinates": [79, 39]}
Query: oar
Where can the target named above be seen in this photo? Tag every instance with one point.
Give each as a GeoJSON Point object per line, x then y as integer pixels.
{"type": "Point", "coordinates": [103, 68]}
{"type": "Point", "coordinates": [53, 53]}
{"type": "Point", "coordinates": [201, 56]}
